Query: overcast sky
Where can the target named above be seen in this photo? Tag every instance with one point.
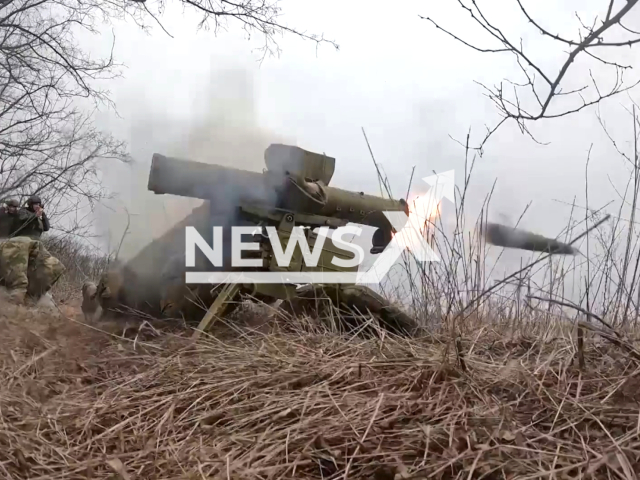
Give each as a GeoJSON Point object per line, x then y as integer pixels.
{"type": "Point", "coordinates": [411, 87]}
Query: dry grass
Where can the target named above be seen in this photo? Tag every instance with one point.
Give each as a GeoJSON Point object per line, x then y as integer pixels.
{"type": "Point", "coordinates": [78, 403]}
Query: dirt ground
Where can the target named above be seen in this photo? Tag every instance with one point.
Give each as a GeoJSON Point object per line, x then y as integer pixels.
{"type": "Point", "coordinates": [129, 400]}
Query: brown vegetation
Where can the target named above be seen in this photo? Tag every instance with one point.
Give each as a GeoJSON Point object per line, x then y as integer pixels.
{"type": "Point", "coordinates": [299, 402]}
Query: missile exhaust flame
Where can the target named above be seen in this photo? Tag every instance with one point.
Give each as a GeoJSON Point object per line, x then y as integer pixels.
{"type": "Point", "coordinates": [423, 213]}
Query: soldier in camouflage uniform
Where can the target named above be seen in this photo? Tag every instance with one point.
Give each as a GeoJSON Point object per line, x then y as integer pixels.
{"type": "Point", "coordinates": [26, 267]}
{"type": "Point", "coordinates": [33, 219]}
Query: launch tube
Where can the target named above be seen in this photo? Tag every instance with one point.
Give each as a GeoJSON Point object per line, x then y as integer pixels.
{"type": "Point", "coordinates": [204, 181]}
{"type": "Point", "coordinates": [231, 186]}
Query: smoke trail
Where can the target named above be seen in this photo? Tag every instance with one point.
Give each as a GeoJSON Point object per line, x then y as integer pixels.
{"type": "Point", "coordinates": [225, 133]}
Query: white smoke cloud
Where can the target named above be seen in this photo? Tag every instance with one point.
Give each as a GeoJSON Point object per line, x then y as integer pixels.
{"type": "Point", "coordinates": [221, 127]}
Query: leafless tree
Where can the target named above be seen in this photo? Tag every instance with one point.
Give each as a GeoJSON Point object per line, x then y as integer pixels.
{"type": "Point", "coordinates": [261, 17]}
{"type": "Point", "coordinates": [48, 143]}
{"type": "Point", "coordinates": [536, 95]}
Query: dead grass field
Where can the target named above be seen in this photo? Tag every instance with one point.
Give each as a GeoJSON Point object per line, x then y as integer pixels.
{"type": "Point", "coordinates": [78, 403]}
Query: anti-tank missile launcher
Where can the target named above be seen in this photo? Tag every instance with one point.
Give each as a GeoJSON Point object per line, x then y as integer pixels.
{"type": "Point", "coordinates": [293, 190]}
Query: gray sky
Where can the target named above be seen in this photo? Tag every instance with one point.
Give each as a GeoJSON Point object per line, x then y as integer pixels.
{"type": "Point", "coordinates": [208, 98]}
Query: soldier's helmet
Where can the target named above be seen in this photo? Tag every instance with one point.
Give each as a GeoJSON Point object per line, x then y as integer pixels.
{"type": "Point", "coordinates": [33, 200]}
{"type": "Point", "coordinates": [12, 202]}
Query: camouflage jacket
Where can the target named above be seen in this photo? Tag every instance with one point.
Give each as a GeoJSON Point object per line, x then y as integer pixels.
{"type": "Point", "coordinates": [29, 225]}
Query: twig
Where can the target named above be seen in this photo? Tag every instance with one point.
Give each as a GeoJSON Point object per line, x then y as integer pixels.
{"type": "Point", "coordinates": [579, 309]}
{"type": "Point", "coordinates": [381, 179]}
{"type": "Point", "coordinates": [616, 341]}
{"type": "Point", "coordinates": [364, 436]}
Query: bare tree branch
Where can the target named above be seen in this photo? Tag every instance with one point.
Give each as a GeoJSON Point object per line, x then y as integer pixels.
{"type": "Point", "coordinates": [544, 86]}
{"type": "Point", "coordinates": [261, 17]}
{"type": "Point", "coordinates": [48, 143]}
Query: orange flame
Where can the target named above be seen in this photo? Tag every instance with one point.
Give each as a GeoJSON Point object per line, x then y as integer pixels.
{"type": "Point", "coordinates": [424, 209]}
{"type": "Point", "coordinates": [423, 215]}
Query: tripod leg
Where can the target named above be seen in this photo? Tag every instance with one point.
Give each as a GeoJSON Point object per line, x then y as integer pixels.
{"type": "Point", "coordinates": [217, 308]}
